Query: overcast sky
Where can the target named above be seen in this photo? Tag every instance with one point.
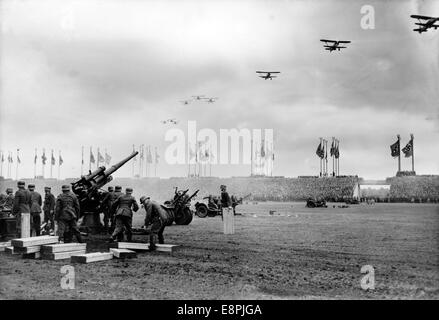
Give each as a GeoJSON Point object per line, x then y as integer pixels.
{"type": "Point", "coordinates": [105, 73]}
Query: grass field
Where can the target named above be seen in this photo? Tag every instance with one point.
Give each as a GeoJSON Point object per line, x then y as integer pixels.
{"type": "Point", "coordinates": [296, 253]}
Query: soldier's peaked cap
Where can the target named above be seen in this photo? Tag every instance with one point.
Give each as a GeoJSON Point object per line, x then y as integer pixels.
{"type": "Point", "coordinates": [118, 188]}
{"type": "Point", "coordinates": [129, 189]}
{"type": "Point", "coordinates": [47, 188]}
{"type": "Point", "coordinates": [65, 187]}
{"type": "Point", "coordinates": [110, 188]}
{"type": "Point", "coordinates": [21, 183]}
{"type": "Point", "coordinates": [9, 190]}
{"type": "Point", "coordinates": [30, 186]}
{"type": "Point", "coordinates": [143, 199]}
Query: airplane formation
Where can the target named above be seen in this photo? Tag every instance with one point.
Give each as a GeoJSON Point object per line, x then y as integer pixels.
{"type": "Point", "coordinates": [199, 98]}
{"type": "Point", "coordinates": [424, 22]}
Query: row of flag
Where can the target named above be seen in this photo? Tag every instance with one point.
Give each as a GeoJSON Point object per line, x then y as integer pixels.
{"type": "Point", "coordinates": [145, 152]}
{"type": "Point", "coordinates": [322, 151]}
{"type": "Point", "coordinates": [44, 159]}
{"type": "Point", "coordinates": [10, 157]}
{"type": "Point", "coordinates": [395, 148]}
{"type": "Point", "coordinates": [52, 158]}
{"type": "Point", "coordinates": [100, 158]}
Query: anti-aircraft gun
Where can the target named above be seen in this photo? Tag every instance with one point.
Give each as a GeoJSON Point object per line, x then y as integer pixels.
{"type": "Point", "coordinates": [180, 206]}
{"type": "Point", "coordinates": [89, 193]}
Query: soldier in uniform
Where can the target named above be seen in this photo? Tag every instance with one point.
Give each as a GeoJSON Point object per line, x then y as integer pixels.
{"type": "Point", "coordinates": [49, 207]}
{"type": "Point", "coordinates": [124, 206]}
{"type": "Point", "coordinates": [116, 194]}
{"type": "Point", "coordinates": [157, 218]}
{"type": "Point", "coordinates": [22, 203]}
{"type": "Point", "coordinates": [226, 202]}
{"type": "Point", "coordinates": [106, 204]}
{"type": "Point", "coordinates": [2, 199]}
{"type": "Point", "coordinates": [8, 202]}
{"type": "Point", "coordinates": [35, 210]}
{"type": "Point", "coordinates": [66, 214]}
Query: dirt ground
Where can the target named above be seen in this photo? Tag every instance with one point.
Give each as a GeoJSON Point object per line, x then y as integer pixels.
{"type": "Point", "coordinates": [296, 253]}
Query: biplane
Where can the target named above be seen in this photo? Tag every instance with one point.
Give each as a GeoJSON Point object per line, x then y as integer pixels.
{"type": "Point", "coordinates": [211, 100]}
{"type": "Point", "coordinates": [430, 22]}
{"type": "Point", "coordinates": [332, 45]}
{"type": "Point", "coordinates": [268, 74]}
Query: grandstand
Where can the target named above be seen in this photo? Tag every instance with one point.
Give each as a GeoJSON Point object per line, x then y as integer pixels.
{"type": "Point", "coordinates": [402, 189]}
{"type": "Point", "coordinates": [421, 188]}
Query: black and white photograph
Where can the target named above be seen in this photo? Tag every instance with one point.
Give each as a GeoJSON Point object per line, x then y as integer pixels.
{"type": "Point", "coordinates": [208, 150]}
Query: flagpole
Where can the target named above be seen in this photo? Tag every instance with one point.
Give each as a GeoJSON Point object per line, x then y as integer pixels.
{"type": "Point", "coordinates": [399, 153]}
{"type": "Point", "coordinates": [82, 160]}
{"type": "Point", "coordinates": [413, 152]}
{"type": "Point", "coordinates": [97, 159]}
{"type": "Point", "coordinates": [320, 158]}
{"type": "Point", "coordinates": [59, 164]}
{"type": "Point", "coordinates": [338, 158]}
{"type": "Point", "coordinates": [272, 158]}
{"type": "Point", "coordinates": [89, 161]}
{"type": "Point", "coordinates": [16, 169]}
{"type": "Point", "coordinates": [35, 164]}
{"type": "Point", "coordinates": [43, 162]}
{"type": "Point", "coordinates": [1, 163]}
{"type": "Point", "coordinates": [51, 165]}
{"type": "Point", "coordinates": [326, 157]}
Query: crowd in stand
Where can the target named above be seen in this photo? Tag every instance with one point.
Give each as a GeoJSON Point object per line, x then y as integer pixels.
{"type": "Point", "coordinates": [403, 189]}
{"type": "Point", "coordinates": [415, 189]}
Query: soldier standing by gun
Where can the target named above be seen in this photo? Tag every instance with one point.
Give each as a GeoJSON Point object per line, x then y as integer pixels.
{"type": "Point", "coordinates": [107, 202]}
{"type": "Point", "coordinates": [116, 194]}
{"type": "Point", "coordinates": [66, 214]}
{"type": "Point", "coordinates": [49, 207]}
{"type": "Point", "coordinates": [22, 204]}
{"type": "Point", "coordinates": [8, 202]}
{"type": "Point", "coordinates": [124, 205]}
{"type": "Point", "coordinates": [35, 210]}
{"type": "Point", "coordinates": [157, 218]}
{"type": "Point", "coordinates": [226, 202]}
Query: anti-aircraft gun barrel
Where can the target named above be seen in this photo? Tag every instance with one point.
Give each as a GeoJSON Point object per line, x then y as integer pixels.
{"type": "Point", "coordinates": [88, 193]}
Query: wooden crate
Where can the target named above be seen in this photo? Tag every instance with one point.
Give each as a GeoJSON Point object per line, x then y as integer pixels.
{"type": "Point", "coordinates": [27, 250]}
{"type": "Point", "coordinates": [92, 257]}
{"type": "Point", "coordinates": [33, 255]}
{"type": "Point", "coordinates": [11, 250]}
{"type": "Point", "coordinates": [61, 255]}
{"type": "Point", "coordinates": [123, 253]}
{"type": "Point", "coordinates": [144, 246]}
{"type": "Point", "coordinates": [34, 241]}
{"type": "Point", "coordinates": [63, 247]}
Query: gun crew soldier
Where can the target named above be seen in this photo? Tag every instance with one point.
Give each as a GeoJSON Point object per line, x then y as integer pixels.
{"type": "Point", "coordinates": [124, 206]}
{"type": "Point", "coordinates": [106, 204]}
{"type": "Point", "coordinates": [49, 207]}
{"type": "Point", "coordinates": [8, 201]}
{"type": "Point", "coordinates": [66, 214]}
{"type": "Point", "coordinates": [116, 194]}
{"type": "Point", "coordinates": [156, 218]}
{"type": "Point", "coordinates": [22, 203]}
{"type": "Point", "coordinates": [35, 210]}
{"type": "Point", "coordinates": [226, 201]}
